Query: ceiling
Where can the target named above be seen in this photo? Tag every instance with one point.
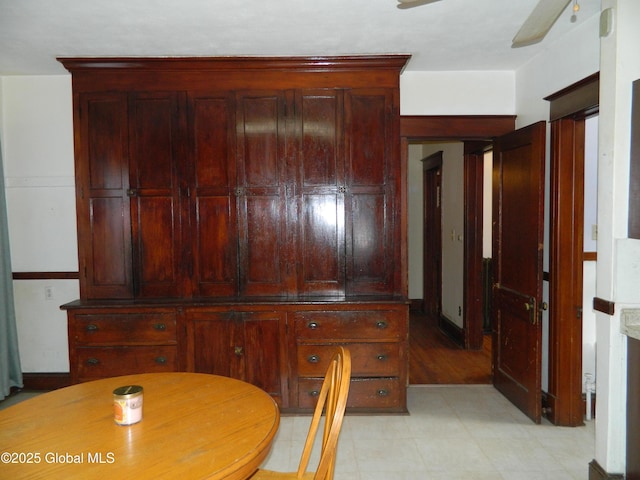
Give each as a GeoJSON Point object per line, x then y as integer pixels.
{"type": "Point", "coordinates": [448, 35]}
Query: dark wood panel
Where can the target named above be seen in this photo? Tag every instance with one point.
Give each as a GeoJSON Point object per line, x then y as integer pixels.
{"type": "Point", "coordinates": [212, 339]}
{"type": "Point", "coordinates": [355, 325]}
{"type": "Point", "coordinates": [212, 127]}
{"type": "Point", "coordinates": [463, 127]}
{"type": "Point", "coordinates": [109, 232]}
{"type": "Point", "coordinates": [604, 306]}
{"type": "Point", "coordinates": [582, 98]}
{"type": "Point", "coordinates": [261, 360]}
{"type": "Point", "coordinates": [322, 246]}
{"type": "Point", "coordinates": [91, 74]}
{"type": "Point", "coordinates": [101, 146]}
{"type": "Point", "coordinates": [45, 275]}
{"type": "Point", "coordinates": [124, 329]}
{"type": "Point", "coordinates": [213, 209]}
{"type": "Point", "coordinates": [156, 148]}
{"type": "Point", "coordinates": [473, 229]}
{"type": "Point", "coordinates": [101, 362]}
{"type": "Point", "coordinates": [261, 139]}
{"type": "Point", "coordinates": [157, 246]}
{"type": "Point", "coordinates": [263, 240]}
{"type": "Point", "coordinates": [369, 268]}
{"type": "Point", "coordinates": [565, 276]}
{"type": "Point", "coordinates": [364, 394]}
{"type": "Point", "coordinates": [319, 181]}
{"type": "Point", "coordinates": [216, 238]}
{"type": "Point", "coordinates": [366, 113]}
{"type": "Point", "coordinates": [45, 381]}
{"type": "Point", "coordinates": [368, 359]}
{"type": "Point", "coordinates": [320, 122]}
{"type": "Point", "coordinates": [106, 140]}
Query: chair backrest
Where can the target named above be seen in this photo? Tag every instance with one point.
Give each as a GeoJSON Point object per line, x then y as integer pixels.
{"type": "Point", "coordinates": [333, 400]}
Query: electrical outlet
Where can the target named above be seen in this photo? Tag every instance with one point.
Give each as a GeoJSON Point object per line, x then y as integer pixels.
{"type": "Point", "coordinates": [594, 232]}
{"type": "Point", "coordinates": [48, 293]}
{"type": "Point", "coordinates": [459, 311]}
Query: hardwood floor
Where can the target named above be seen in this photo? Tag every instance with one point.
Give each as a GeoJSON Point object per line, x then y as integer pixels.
{"type": "Point", "coordinates": [435, 359]}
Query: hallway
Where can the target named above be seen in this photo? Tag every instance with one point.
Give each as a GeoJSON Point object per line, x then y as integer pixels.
{"type": "Point", "coordinates": [436, 359]}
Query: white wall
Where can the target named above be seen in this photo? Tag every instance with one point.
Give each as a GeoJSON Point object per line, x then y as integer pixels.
{"type": "Point", "coordinates": [487, 205]}
{"type": "Point", "coordinates": [415, 216]}
{"type": "Point", "coordinates": [590, 245]}
{"type": "Point", "coordinates": [452, 198]}
{"type": "Point", "coordinates": [620, 66]}
{"type": "Point", "coordinates": [457, 93]}
{"type": "Point", "coordinates": [37, 135]}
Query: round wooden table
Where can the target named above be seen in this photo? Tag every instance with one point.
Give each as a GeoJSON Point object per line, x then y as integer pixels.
{"type": "Point", "coordinates": [194, 426]}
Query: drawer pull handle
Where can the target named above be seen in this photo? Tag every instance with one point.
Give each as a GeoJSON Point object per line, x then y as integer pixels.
{"type": "Point", "coordinates": [381, 324]}
{"type": "Point", "coordinates": [314, 393]}
{"type": "Point", "coordinates": [383, 393]}
{"type": "Point", "coordinates": [161, 327]}
{"type": "Point", "coordinates": [93, 361]}
{"type": "Point", "coordinates": [382, 357]}
{"type": "Point", "coordinates": [313, 359]}
{"type": "Point", "coordinates": [313, 325]}
{"type": "Point", "coordinates": [161, 360]}
{"type": "Point", "coordinates": [239, 351]}
{"type": "Point", "coordinates": [91, 328]}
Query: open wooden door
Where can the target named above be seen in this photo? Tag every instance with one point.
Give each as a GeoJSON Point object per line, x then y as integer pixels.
{"type": "Point", "coordinates": [518, 222]}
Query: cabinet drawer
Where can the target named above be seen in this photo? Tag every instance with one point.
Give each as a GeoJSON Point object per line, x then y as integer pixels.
{"type": "Point", "coordinates": [364, 393]}
{"type": "Point", "coordinates": [349, 325]}
{"type": "Point", "coordinates": [124, 329]}
{"type": "Point", "coordinates": [114, 361]}
{"type": "Point", "coordinates": [367, 359]}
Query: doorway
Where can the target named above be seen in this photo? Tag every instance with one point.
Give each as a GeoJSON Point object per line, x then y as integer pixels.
{"type": "Point", "coordinates": [567, 406]}
{"type": "Point", "coordinates": [447, 345]}
{"type": "Point", "coordinates": [473, 132]}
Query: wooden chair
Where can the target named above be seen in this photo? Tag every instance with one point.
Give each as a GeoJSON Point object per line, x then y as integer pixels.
{"type": "Point", "coordinates": [333, 400]}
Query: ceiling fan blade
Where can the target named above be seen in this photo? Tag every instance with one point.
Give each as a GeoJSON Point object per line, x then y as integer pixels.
{"type": "Point", "coordinates": [538, 24]}
{"type": "Point", "coordinates": [403, 4]}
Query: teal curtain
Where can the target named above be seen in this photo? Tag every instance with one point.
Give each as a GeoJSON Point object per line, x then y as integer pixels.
{"type": "Point", "coordinates": [10, 371]}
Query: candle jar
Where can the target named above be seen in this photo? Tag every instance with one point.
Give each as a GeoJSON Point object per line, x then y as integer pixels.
{"type": "Point", "coordinates": [127, 404]}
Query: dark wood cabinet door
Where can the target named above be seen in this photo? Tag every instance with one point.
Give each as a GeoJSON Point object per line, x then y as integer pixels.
{"type": "Point", "coordinates": [261, 357]}
{"type": "Point", "coordinates": [319, 180]}
{"type": "Point", "coordinates": [214, 223]}
{"type": "Point", "coordinates": [212, 335]}
{"type": "Point", "coordinates": [370, 192]}
{"type": "Point", "coordinates": [243, 345]}
{"type": "Point", "coordinates": [104, 239]}
{"type": "Point", "coordinates": [156, 134]}
{"type": "Point", "coordinates": [264, 241]}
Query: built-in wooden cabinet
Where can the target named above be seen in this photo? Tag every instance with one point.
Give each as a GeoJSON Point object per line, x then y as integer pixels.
{"type": "Point", "coordinates": [222, 182]}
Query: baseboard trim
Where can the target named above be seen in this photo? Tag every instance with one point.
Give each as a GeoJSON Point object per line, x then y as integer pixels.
{"type": "Point", "coordinates": [451, 330]}
{"type": "Point", "coordinates": [596, 472]}
{"type": "Point", "coordinates": [416, 304]}
{"type": "Point", "coordinates": [45, 381]}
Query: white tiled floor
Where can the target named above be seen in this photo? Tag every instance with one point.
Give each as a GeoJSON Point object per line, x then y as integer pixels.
{"type": "Point", "coordinates": [452, 432]}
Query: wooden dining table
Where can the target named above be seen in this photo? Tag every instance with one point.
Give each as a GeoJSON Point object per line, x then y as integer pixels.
{"type": "Point", "coordinates": [194, 426]}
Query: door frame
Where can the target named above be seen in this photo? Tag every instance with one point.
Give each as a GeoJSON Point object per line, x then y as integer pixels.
{"type": "Point", "coordinates": [569, 109]}
{"type": "Point", "coordinates": [432, 233]}
{"type": "Point", "coordinates": [475, 131]}
{"type": "Point", "coordinates": [485, 127]}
